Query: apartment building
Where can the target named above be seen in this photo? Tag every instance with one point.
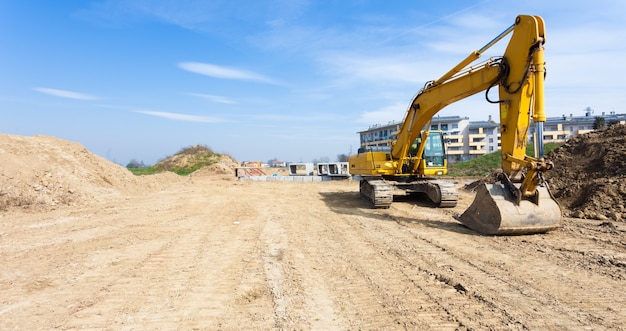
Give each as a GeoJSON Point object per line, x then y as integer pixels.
{"type": "Point", "coordinates": [466, 140]}
{"type": "Point", "coordinates": [455, 128]}
{"type": "Point", "coordinates": [559, 129]}
{"type": "Point", "coordinates": [483, 137]}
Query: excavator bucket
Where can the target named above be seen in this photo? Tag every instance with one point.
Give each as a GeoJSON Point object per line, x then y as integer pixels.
{"type": "Point", "coordinates": [495, 212]}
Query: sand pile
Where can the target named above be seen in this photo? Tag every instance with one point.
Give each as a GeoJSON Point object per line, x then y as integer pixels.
{"type": "Point", "coordinates": [43, 171]}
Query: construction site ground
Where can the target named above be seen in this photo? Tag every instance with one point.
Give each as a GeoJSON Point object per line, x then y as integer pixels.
{"type": "Point", "coordinates": [208, 252]}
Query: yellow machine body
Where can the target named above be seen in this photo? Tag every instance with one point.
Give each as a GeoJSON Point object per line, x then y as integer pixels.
{"type": "Point", "coordinates": [521, 202]}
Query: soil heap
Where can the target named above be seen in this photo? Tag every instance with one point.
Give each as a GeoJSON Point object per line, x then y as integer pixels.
{"type": "Point", "coordinates": [41, 172]}
{"type": "Point", "coordinates": [201, 158]}
{"type": "Point", "coordinates": [589, 177]}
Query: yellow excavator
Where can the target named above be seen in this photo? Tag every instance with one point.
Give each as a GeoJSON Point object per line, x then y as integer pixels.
{"type": "Point", "coordinates": [520, 201]}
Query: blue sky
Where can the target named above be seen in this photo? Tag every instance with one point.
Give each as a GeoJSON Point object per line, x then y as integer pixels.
{"type": "Point", "coordinates": [288, 79]}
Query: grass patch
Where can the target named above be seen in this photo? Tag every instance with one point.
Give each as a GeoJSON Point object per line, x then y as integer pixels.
{"type": "Point", "coordinates": [142, 171]}
{"type": "Point", "coordinates": [483, 165]}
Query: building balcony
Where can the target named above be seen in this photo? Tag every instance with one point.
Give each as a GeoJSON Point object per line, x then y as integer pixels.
{"type": "Point", "coordinates": [478, 152]}
{"type": "Point", "coordinates": [459, 144]}
{"type": "Point", "coordinates": [478, 144]}
{"type": "Point", "coordinates": [473, 136]}
{"type": "Point", "coordinates": [455, 152]}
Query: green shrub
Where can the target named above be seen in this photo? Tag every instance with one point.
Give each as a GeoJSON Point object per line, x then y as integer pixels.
{"type": "Point", "coordinates": [481, 166]}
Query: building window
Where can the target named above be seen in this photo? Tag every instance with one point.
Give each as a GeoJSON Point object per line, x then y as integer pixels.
{"type": "Point", "coordinates": [433, 127]}
{"type": "Point", "coordinates": [444, 127]}
{"type": "Point", "coordinates": [455, 126]}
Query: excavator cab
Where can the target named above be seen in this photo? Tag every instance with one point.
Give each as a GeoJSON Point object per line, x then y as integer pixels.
{"type": "Point", "coordinates": [429, 158]}
{"type": "Point", "coordinates": [434, 151]}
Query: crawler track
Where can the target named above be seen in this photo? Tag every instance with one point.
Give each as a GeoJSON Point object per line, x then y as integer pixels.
{"type": "Point", "coordinates": [379, 192]}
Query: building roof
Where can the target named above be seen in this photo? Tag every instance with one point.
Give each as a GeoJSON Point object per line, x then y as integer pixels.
{"type": "Point", "coordinates": [584, 119]}
{"type": "Point", "coordinates": [482, 124]}
{"type": "Point", "coordinates": [589, 118]}
{"type": "Point", "coordinates": [448, 119]}
{"type": "Point", "coordinates": [436, 119]}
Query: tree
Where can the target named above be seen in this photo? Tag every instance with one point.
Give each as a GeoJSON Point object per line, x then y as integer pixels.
{"type": "Point", "coordinates": [323, 159]}
{"type": "Point", "coordinates": [342, 158]}
{"type": "Point", "coordinates": [599, 123]}
{"type": "Point", "coordinates": [134, 164]}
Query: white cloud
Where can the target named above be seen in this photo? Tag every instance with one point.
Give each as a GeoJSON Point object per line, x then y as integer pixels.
{"type": "Point", "coordinates": [180, 117]}
{"type": "Point", "coordinates": [216, 71]}
{"type": "Point", "coordinates": [65, 94]}
{"type": "Point", "coordinates": [214, 98]}
{"type": "Point", "coordinates": [398, 76]}
{"type": "Point", "coordinates": [394, 112]}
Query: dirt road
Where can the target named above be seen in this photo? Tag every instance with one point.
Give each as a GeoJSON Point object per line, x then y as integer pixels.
{"type": "Point", "coordinates": [218, 254]}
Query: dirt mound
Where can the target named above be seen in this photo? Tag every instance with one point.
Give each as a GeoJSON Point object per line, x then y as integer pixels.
{"type": "Point", "coordinates": [589, 179]}
{"type": "Point", "coordinates": [198, 157]}
{"type": "Point", "coordinates": [43, 171]}
{"type": "Point", "coordinates": [224, 166]}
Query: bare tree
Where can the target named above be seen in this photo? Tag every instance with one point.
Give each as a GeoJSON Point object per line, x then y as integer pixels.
{"type": "Point", "coordinates": [342, 158]}
{"type": "Point", "coordinates": [133, 164]}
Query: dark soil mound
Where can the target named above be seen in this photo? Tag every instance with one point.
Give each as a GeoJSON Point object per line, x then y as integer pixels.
{"type": "Point", "coordinates": [589, 178]}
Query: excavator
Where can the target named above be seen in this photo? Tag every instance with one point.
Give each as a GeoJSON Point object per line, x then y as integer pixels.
{"type": "Point", "coordinates": [519, 202]}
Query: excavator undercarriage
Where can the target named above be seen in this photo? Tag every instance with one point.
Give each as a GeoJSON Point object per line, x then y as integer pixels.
{"type": "Point", "coordinates": [379, 190]}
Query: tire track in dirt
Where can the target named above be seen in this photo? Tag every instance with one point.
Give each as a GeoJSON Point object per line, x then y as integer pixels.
{"type": "Point", "coordinates": [426, 298]}
{"type": "Point", "coordinates": [364, 278]}
{"type": "Point", "coordinates": [300, 296]}
{"type": "Point", "coordinates": [521, 279]}
{"type": "Point", "coordinates": [228, 255]}
{"type": "Point", "coordinates": [75, 276]}
{"type": "Point", "coordinates": [225, 290]}
{"type": "Point", "coordinates": [136, 256]}
{"type": "Point", "coordinates": [274, 241]}
{"type": "Point", "coordinates": [588, 246]}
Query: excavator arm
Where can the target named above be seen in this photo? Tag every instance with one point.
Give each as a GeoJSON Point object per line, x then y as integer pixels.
{"type": "Point", "coordinates": [435, 96]}
{"type": "Point", "coordinates": [519, 74]}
